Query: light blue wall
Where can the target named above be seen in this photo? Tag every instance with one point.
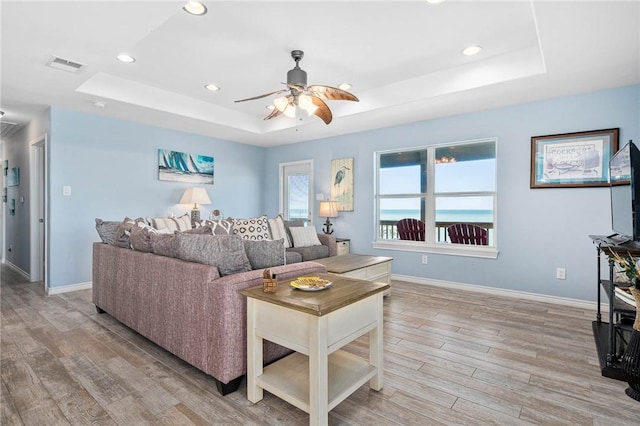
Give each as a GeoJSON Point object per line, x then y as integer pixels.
{"type": "Point", "coordinates": [539, 229]}
{"type": "Point", "coordinates": [111, 166]}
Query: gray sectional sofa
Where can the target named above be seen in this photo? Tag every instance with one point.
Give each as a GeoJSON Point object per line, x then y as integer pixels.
{"type": "Point", "coordinates": [187, 308]}
{"type": "Point", "coordinates": [179, 286]}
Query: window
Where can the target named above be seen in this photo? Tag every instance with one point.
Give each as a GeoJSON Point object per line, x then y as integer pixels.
{"type": "Point", "coordinates": [437, 185]}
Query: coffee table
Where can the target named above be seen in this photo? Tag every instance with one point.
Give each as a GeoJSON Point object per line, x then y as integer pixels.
{"type": "Point", "coordinates": [319, 375]}
{"type": "Point", "coordinates": [362, 266]}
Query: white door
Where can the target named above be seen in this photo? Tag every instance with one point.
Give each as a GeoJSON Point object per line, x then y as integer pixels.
{"type": "Point", "coordinates": [296, 190]}
{"type": "Point", "coordinates": [38, 209]}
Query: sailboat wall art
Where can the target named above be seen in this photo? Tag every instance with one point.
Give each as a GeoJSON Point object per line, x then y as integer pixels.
{"type": "Point", "coordinates": [175, 166]}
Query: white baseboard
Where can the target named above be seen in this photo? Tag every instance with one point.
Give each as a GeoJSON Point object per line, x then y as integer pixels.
{"type": "Point", "coordinates": [564, 301]}
{"type": "Point", "coordinates": [17, 269]}
{"type": "Point", "coordinates": [68, 288]}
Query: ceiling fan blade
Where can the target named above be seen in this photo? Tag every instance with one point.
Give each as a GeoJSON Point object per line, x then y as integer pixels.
{"type": "Point", "coordinates": [323, 110]}
{"type": "Point", "coordinates": [263, 96]}
{"type": "Point", "coordinates": [273, 114]}
{"type": "Point", "coordinates": [331, 93]}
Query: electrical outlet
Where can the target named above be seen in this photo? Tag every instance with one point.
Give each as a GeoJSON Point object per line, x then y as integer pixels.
{"type": "Point", "coordinates": [561, 274]}
{"type": "Point", "coordinates": [424, 259]}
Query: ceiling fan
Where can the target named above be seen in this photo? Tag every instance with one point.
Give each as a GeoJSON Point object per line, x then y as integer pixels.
{"type": "Point", "coordinates": [309, 98]}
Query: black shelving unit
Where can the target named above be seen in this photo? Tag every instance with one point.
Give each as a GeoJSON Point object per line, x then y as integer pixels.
{"type": "Point", "coordinates": [611, 337]}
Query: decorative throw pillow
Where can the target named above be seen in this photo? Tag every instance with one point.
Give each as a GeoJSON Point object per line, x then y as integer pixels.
{"type": "Point", "coordinates": [264, 254]}
{"type": "Point", "coordinates": [163, 244]}
{"type": "Point", "coordinates": [222, 251]}
{"type": "Point", "coordinates": [305, 236]}
{"type": "Point", "coordinates": [200, 230]}
{"type": "Point", "coordinates": [255, 228]}
{"type": "Point", "coordinates": [123, 233]}
{"type": "Point", "coordinates": [107, 230]}
{"type": "Point", "coordinates": [278, 231]}
{"type": "Point", "coordinates": [219, 226]}
{"type": "Point", "coordinates": [181, 223]}
{"type": "Point", "coordinates": [288, 224]}
{"type": "Point", "coordinates": [140, 237]}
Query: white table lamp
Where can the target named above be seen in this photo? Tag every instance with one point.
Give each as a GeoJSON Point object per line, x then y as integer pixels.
{"type": "Point", "coordinates": [328, 209]}
{"type": "Point", "coordinates": [195, 196]}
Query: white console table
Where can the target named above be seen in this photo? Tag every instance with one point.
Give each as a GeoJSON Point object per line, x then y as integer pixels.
{"type": "Point", "coordinates": [319, 375]}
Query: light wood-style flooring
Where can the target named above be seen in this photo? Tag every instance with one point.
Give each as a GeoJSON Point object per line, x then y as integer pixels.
{"type": "Point", "coordinates": [451, 357]}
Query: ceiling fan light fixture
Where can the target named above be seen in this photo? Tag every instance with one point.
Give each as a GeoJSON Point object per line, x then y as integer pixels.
{"type": "Point", "coordinates": [344, 86]}
{"type": "Point", "coordinates": [311, 109]}
{"type": "Point", "coordinates": [281, 103]}
{"type": "Point", "coordinates": [195, 8]}
{"type": "Point", "coordinates": [304, 101]}
{"type": "Point", "coordinates": [290, 111]}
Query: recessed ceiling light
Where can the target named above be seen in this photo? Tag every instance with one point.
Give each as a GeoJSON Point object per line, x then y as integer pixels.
{"type": "Point", "coordinates": [128, 59]}
{"type": "Point", "coordinates": [435, 1]}
{"type": "Point", "coordinates": [344, 86]}
{"type": "Point", "coordinates": [270, 107]}
{"type": "Point", "coordinates": [212, 87]}
{"type": "Point", "coordinates": [471, 50]}
{"type": "Point", "coordinates": [195, 8]}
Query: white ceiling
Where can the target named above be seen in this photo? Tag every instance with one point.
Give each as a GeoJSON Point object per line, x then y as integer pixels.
{"type": "Point", "coordinates": [402, 58]}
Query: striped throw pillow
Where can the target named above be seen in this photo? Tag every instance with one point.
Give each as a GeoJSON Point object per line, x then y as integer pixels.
{"type": "Point", "coordinates": [181, 223]}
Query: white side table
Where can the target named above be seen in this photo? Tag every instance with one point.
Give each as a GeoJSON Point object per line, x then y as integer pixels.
{"type": "Point", "coordinates": [316, 325]}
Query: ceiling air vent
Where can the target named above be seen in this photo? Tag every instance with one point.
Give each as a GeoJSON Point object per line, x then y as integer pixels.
{"type": "Point", "coordinates": [65, 64]}
{"type": "Point", "coordinates": [7, 128]}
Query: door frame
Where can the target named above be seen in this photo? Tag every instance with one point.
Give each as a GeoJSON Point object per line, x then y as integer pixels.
{"type": "Point", "coordinates": [39, 256]}
{"type": "Point", "coordinates": [281, 172]}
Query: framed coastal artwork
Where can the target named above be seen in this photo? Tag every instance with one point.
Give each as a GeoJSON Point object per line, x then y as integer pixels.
{"type": "Point", "coordinates": [572, 159]}
{"type": "Point", "coordinates": [175, 166]}
{"type": "Point", "coordinates": [342, 183]}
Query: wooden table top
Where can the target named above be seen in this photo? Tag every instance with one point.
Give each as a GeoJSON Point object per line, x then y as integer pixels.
{"type": "Point", "coordinates": [344, 291]}
{"type": "Point", "coordinates": [350, 262]}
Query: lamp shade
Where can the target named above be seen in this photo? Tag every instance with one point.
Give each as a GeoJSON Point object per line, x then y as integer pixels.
{"type": "Point", "coordinates": [195, 196]}
{"type": "Point", "coordinates": [328, 209]}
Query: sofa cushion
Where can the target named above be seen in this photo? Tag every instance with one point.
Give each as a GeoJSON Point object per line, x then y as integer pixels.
{"type": "Point", "coordinates": [305, 236]}
{"type": "Point", "coordinates": [311, 253]}
{"type": "Point", "coordinates": [288, 224]}
{"type": "Point", "coordinates": [291, 256]}
{"type": "Point", "coordinates": [264, 254]}
{"type": "Point", "coordinates": [225, 252]}
{"type": "Point", "coordinates": [107, 230]}
{"type": "Point", "coordinates": [278, 231]}
{"type": "Point", "coordinates": [122, 236]}
{"type": "Point", "coordinates": [181, 223]}
{"type": "Point", "coordinates": [254, 228]}
{"type": "Point", "coordinates": [163, 244]}
{"type": "Point", "coordinates": [140, 237]}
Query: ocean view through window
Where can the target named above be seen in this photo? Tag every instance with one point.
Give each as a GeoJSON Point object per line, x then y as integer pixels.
{"type": "Point", "coordinates": [439, 185]}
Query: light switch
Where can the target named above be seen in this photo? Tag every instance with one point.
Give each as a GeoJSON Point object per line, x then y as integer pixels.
{"type": "Point", "coordinates": [319, 197]}
{"type": "Point", "coordinates": [66, 191]}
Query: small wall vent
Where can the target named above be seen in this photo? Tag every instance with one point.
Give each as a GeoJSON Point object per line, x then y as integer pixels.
{"type": "Point", "coordinates": [7, 128]}
{"type": "Point", "coordinates": [65, 64]}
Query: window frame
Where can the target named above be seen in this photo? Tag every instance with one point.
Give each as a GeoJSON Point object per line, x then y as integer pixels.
{"type": "Point", "coordinates": [430, 245]}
